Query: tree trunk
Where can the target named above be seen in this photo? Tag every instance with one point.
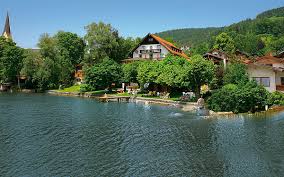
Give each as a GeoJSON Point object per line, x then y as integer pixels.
{"type": "Point", "coordinates": [197, 92]}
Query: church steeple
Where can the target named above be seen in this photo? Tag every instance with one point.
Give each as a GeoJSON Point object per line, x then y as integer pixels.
{"type": "Point", "coordinates": [7, 29]}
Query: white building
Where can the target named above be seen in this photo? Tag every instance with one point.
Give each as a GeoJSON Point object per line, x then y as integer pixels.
{"type": "Point", "coordinates": [269, 72]}
{"type": "Point", "coordinates": [153, 47]}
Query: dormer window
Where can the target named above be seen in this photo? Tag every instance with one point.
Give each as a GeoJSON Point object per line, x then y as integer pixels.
{"type": "Point", "coordinates": [151, 40]}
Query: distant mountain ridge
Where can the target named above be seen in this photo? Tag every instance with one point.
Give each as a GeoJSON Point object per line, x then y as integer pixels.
{"type": "Point", "coordinates": [197, 36]}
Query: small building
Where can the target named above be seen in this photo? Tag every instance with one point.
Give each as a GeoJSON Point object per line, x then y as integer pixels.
{"type": "Point", "coordinates": [78, 75]}
{"type": "Point", "coordinates": [153, 47]}
{"type": "Point", "coordinates": [219, 57]}
{"type": "Point", "coordinates": [268, 71]}
{"type": "Point", "coordinates": [4, 87]}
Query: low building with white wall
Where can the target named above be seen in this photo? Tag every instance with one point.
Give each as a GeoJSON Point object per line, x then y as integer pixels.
{"type": "Point", "coordinates": [268, 71]}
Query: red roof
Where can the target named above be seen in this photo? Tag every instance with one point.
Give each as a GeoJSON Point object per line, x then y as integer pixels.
{"type": "Point", "coordinates": [169, 46]}
{"type": "Point", "coordinates": [269, 60]}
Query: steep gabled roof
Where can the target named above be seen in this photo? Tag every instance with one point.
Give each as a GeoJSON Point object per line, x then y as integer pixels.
{"type": "Point", "coordinates": [7, 29]}
{"type": "Point", "coordinates": [169, 46]}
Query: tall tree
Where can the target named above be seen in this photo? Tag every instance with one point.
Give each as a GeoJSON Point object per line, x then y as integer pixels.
{"type": "Point", "coordinates": [11, 58]}
{"type": "Point", "coordinates": [224, 43]}
{"type": "Point", "coordinates": [102, 75]}
{"type": "Point", "coordinates": [236, 73]}
{"type": "Point", "coordinates": [102, 41]}
{"type": "Point", "coordinates": [61, 52]}
{"type": "Point", "coordinates": [70, 46]}
{"type": "Point", "coordinates": [201, 72]}
{"type": "Point", "coordinates": [31, 64]}
{"type": "Point", "coordinates": [47, 46]}
{"type": "Point", "coordinates": [173, 72]}
{"type": "Point", "coordinates": [130, 72]}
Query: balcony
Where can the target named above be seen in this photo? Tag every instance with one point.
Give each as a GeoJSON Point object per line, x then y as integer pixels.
{"type": "Point", "coordinates": [280, 88]}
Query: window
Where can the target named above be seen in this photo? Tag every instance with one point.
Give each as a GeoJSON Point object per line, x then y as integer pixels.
{"type": "Point", "coordinates": [143, 47]}
{"type": "Point", "coordinates": [151, 40]}
{"type": "Point", "coordinates": [158, 46]}
{"type": "Point", "coordinates": [265, 81]}
{"type": "Point", "coordinates": [282, 80]}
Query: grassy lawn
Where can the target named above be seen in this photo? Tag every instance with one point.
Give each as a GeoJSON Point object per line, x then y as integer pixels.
{"type": "Point", "coordinates": [75, 88]}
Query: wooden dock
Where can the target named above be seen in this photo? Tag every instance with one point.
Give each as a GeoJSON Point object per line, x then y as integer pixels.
{"type": "Point", "coordinates": [114, 98]}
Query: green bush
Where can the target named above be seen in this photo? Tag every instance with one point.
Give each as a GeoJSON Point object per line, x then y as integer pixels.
{"type": "Point", "coordinates": [276, 98]}
{"type": "Point", "coordinates": [236, 73]}
{"type": "Point", "coordinates": [104, 74]}
{"type": "Point", "coordinates": [241, 98]}
{"type": "Point", "coordinates": [224, 99]}
{"type": "Point", "coordinates": [86, 88]}
{"type": "Point", "coordinates": [250, 97]}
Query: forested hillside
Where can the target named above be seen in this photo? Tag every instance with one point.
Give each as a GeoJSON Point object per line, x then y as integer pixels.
{"type": "Point", "coordinates": [191, 36]}
{"type": "Point", "coordinates": [256, 36]}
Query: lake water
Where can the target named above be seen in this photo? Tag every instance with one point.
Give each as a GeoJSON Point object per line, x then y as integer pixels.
{"type": "Point", "coordinates": [43, 135]}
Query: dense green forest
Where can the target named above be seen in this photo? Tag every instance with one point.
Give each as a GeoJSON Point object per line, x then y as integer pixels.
{"type": "Point", "coordinates": [256, 36]}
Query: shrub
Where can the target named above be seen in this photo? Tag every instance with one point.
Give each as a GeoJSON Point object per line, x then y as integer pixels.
{"type": "Point", "coordinates": [250, 97]}
{"type": "Point", "coordinates": [223, 99]}
{"type": "Point", "coordinates": [104, 74]}
{"type": "Point", "coordinates": [130, 72]}
{"type": "Point", "coordinates": [236, 73]}
{"type": "Point", "coordinates": [276, 98]}
{"type": "Point", "coordinates": [86, 88]}
{"type": "Point", "coordinates": [239, 98]}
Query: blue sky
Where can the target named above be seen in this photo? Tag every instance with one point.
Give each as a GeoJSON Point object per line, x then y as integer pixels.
{"type": "Point", "coordinates": [31, 18]}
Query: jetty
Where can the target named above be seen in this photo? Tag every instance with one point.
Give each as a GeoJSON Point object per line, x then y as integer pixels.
{"type": "Point", "coordinates": [106, 98]}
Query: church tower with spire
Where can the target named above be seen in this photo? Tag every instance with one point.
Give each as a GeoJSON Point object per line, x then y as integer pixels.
{"type": "Point", "coordinates": [7, 29]}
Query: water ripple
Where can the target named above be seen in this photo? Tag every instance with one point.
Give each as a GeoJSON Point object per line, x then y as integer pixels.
{"type": "Point", "coordinates": [59, 136]}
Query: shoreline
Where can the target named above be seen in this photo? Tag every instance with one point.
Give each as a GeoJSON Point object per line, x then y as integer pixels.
{"type": "Point", "coordinates": [184, 106]}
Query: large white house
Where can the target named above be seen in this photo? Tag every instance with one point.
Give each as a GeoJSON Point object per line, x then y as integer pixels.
{"type": "Point", "coordinates": [153, 47]}
{"type": "Point", "coordinates": [268, 71]}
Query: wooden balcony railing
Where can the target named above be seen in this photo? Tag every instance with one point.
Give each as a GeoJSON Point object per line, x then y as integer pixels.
{"type": "Point", "coordinates": [280, 88]}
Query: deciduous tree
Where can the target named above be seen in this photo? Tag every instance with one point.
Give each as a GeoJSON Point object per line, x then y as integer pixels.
{"type": "Point", "coordinates": [201, 72]}
{"type": "Point", "coordinates": [225, 43]}
{"type": "Point", "coordinates": [11, 58]}
{"type": "Point", "coordinates": [102, 75]}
